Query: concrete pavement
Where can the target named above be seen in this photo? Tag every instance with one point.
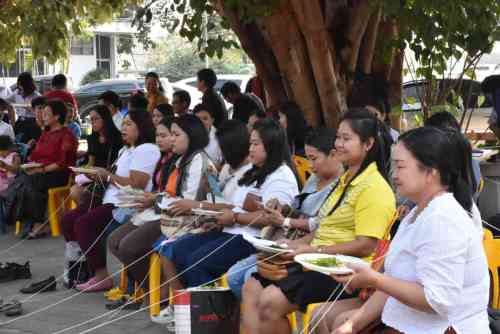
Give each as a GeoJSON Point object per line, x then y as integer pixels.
{"type": "Point", "coordinates": [46, 257]}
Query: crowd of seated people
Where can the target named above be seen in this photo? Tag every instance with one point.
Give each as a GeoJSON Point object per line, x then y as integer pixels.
{"type": "Point", "coordinates": [184, 163]}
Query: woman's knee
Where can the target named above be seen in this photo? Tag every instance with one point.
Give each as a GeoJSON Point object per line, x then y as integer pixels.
{"type": "Point", "coordinates": [273, 304]}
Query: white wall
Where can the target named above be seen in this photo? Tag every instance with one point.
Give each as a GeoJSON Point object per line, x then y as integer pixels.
{"type": "Point", "coordinates": [79, 66]}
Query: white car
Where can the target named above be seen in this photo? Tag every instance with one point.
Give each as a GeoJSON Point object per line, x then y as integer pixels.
{"type": "Point", "coordinates": [189, 85]}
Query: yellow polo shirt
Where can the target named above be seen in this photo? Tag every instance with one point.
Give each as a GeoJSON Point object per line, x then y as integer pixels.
{"type": "Point", "coordinates": [366, 209]}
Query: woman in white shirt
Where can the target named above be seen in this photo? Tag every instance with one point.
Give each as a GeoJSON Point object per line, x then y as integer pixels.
{"type": "Point", "coordinates": [134, 167]}
{"type": "Point", "coordinates": [213, 148]}
{"type": "Point", "coordinates": [436, 276]}
{"type": "Point", "coordinates": [270, 177]}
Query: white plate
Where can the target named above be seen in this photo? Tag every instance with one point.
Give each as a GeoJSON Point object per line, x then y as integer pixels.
{"type": "Point", "coordinates": [31, 165]}
{"type": "Point", "coordinates": [340, 270]}
{"type": "Point", "coordinates": [128, 205]}
{"type": "Point", "coordinates": [82, 170]}
{"type": "Point", "coordinates": [267, 246]}
{"type": "Point", "coordinates": [209, 213]}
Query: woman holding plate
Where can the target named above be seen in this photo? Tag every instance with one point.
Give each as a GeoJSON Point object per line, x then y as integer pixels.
{"type": "Point", "coordinates": [134, 167]}
{"type": "Point", "coordinates": [351, 221]}
{"type": "Point", "coordinates": [436, 275]}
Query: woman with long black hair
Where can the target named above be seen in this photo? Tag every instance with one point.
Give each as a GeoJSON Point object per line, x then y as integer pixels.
{"type": "Point", "coordinates": [436, 275]}
{"type": "Point", "coordinates": [351, 221]}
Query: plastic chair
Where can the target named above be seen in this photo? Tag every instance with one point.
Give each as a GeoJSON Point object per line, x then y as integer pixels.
{"type": "Point", "coordinates": [154, 284]}
{"type": "Point", "coordinates": [58, 197]}
{"type": "Point", "coordinates": [303, 168]}
{"type": "Point", "coordinates": [492, 250]}
{"type": "Point", "coordinates": [487, 234]}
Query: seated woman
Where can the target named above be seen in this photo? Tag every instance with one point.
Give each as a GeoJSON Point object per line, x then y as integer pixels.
{"type": "Point", "coordinates": [134, 239]}
{"type": "Point", "coordinates": [134, 167]}
{"type": "Point", "coordinates": [54, 152]}
{"type": "Point", "coordinates": [351, 221]}
{"type": "Point", "coordinates": [161, 112]}
{"type": "Point", "coordinates": [270, 177]}
{"type": "Point", "coordinates": [436, 274]}
{"type": "Point", "coordinates": [326, 168]}
{"type": "Point", "coordinates": [103, 146]}
{"type": "Point", "coordinates": [213, 148]}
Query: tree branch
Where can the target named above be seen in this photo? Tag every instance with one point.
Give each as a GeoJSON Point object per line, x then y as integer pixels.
{"type": "Point", "coordinates": [370, 42]}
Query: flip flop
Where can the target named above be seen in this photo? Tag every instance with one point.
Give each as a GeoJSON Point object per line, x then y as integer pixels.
{"type": "Point", "coordinates": [12, 308]}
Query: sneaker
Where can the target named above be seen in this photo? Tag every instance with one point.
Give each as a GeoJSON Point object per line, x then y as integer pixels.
{"type": "Point", "coordinates": [165, 317]}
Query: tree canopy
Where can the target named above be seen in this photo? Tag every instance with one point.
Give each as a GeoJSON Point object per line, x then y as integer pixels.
{"type": "Point", "coordinates": [325, 54]}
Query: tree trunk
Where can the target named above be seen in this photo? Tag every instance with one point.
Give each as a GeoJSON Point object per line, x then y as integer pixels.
{"type": "Point", "coordinates": [325, 55]}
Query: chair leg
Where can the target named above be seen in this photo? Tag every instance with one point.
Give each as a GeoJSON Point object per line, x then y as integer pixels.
{"type": "Point", "coordinates": [53, 219]}
{"type": "Point", "coordinates": [154, 285]}
{"type": "Point", "coordinates": [18, 227]}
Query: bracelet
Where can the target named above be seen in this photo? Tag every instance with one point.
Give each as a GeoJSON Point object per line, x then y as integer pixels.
{"type": "Point", "coordinates": [108, 179]}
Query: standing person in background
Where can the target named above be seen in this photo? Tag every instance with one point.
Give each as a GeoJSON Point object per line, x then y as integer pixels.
{"type": "Point", "coordinates": [111, 100]}
{"type": "Point", "coordinates": [181, 102]}
{"type": "Point", "coordinates": [256, 87]}
{"type": "Point", "coordinates": [156, 92]}
{"type": "Point", "coordinates": [60, 91]}
{"type": "Point", "coordinates": [25, 126]}
{"type": "Point", "coordinates": [243, 104]}
{"type": "Point", "coordinates": [211, 99]}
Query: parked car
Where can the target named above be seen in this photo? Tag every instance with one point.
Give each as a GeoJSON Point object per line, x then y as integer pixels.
{"type": "Point", "coordinates": [87, 96]}
{"type": "Point", "coordinates": [189, 85]}
{"type": "Point", "coordinates": [470, 92]}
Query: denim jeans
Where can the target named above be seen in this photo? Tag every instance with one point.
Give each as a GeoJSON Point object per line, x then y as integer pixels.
{"type": "Point", "coordinates": [239, 273]}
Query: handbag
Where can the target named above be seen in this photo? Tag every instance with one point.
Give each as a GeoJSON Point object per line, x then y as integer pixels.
{"type": "Point", "coordinates": [206, 311]}
{"type": "Point", "coordinates": [93, 193]}
{"type": "Point", "coordinates": [276, 269]}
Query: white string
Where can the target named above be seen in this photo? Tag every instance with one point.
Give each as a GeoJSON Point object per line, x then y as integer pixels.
{"type": "Point", "coordinates": [181, 273]}
{"type": "Point", "coordinates": [17, 244]}
{"type": "Point", "coordinates": [83, 291]}
{"type": "Point", "coordinates": [151, 305]}
{"type": "Point", "coordinates": [330, 306]}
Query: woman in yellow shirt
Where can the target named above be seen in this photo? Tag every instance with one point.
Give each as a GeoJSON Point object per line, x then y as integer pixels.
{"type": "Point", "coordinates": [155, 91]}
{"type": "Point", "coordinates": [352, 220]}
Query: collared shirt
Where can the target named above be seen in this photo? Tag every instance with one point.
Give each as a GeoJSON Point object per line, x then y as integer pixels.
{"type": "Point", "coordinates": [57, 147]}
{"type": "Point", "coordinates": [442, 251]}
{"type": "Point", "coordinates": [366, 209]}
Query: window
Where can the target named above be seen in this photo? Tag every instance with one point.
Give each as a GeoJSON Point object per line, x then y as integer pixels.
{"type": "Point", "coordinates": [82, 46]}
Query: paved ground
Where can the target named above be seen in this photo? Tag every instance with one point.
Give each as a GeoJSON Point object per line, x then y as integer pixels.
{"type": "Point", "coordinates": [46, 257]}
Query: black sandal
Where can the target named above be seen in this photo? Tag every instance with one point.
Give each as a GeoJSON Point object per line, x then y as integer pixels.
{"type": "Point", "coordinates": [12, 308]}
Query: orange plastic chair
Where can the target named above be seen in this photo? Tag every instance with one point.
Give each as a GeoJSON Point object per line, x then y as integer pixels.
{"type": "Point", "coordinates": [303, 168]}
{"type": "Point", "coordinates": [492, 250]}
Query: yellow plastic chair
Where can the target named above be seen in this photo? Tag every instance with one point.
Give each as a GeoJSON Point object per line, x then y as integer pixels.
{"type": "Point", "coordinates": [492, 250]}
{"type": "Point", "coordinates": [57, 198]}
{"type": "Point", "coordinates": [487, 234]}
{"type": "Point", "coordinates": [154, 284]}
{"type": "Point", "coordinates": [303, 168]}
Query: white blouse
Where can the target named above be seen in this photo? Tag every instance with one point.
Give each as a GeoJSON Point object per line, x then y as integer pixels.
{"type": "Point", "coordinates": [442, 250]}
{"type": "Point", "coordinates": [280, 184]}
